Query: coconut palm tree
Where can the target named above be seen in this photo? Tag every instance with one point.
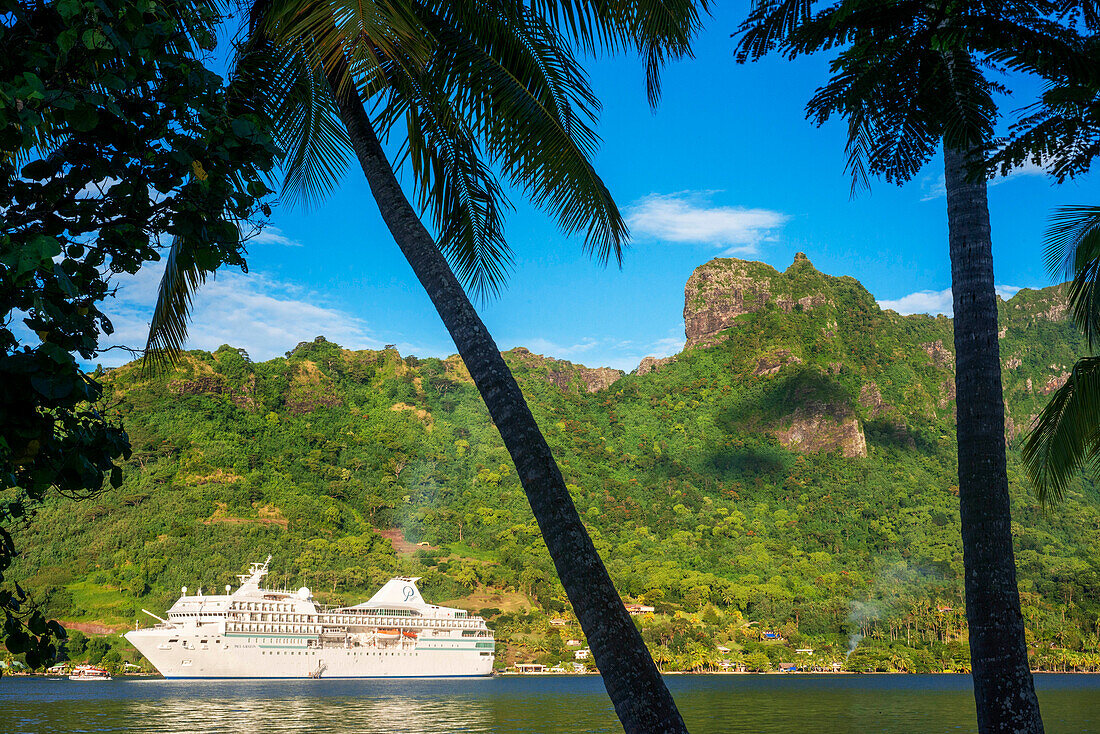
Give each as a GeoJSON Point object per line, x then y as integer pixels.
{"type": "Point", "coordinates": [467, 89]}
{"type": "Point", "coordinates": [911, 78]}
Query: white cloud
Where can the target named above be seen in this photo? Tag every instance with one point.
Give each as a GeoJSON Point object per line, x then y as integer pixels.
{"type": "Point", "coordinates": [688, 216]}
{"type": "Point", "coordinates": [263, 315]}
{"type": "Point", "coordinates": [620, 354]}
{"type": "Point", "coordinates": [666, 347]}
{"type": "Point", "coordinates": [539, 345]}
{"type": "Point", "coordinates": [935, 187]}
{"type": "Point", "coordinates": [936, 302]}
{"type": "Point", "coordinates": [273, 236]}
{"type": "Point", "coordinates": [929, 302]}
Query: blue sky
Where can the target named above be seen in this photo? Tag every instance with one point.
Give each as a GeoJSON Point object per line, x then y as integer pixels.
{"type": "Point", "coordinates": [727, 166]}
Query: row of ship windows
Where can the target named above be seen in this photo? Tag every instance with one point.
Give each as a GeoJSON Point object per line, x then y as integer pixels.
{"type": "Point", "coordinates": [283, 629]}
{"type": "Point", "coordinates": [276, 617]}
{"type": "Point", "coordinates": [271, 607]}
{"type": "Point", "coordinates": [259, 606]}
{"type": "Point", "coordinates": [316, 619]}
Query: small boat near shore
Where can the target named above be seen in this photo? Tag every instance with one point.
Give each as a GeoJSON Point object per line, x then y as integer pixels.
{"type": "Point", "coordinates": [89, 672]}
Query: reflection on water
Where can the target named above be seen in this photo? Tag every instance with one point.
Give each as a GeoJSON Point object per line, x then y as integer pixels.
{"type": "Point", "coordinates": [790, 703]}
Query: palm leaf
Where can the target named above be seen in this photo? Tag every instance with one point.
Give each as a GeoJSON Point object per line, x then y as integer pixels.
{"type": "Point", "coordinates": [1066, 435]}
{"type": "Point", "coordinates": [458, 191]}
{"type": "Point", "coordinates": [295, 96]}
{"type": "Point", "coordinates": [1073, 249]}
{"type": "Point", "coordinates": [658, 30]}
{"type": "Point", "coordinates": [519, 91]}
{"type": "Point", "coordinates": [1061, 134]}
{"type": "Point", "coordinates": [183, 275]}
{"type": "Point", "coordinates": [168, 328]}
{"type": "Point", "coordinates": [531, 107]}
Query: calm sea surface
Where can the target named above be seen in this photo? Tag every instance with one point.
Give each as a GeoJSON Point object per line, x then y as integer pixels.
{"type": "Point", "coordinates": [791, 704]}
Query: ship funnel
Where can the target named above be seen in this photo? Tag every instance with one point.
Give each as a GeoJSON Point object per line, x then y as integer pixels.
{"type": "Point", "coordinates": [400, 592]}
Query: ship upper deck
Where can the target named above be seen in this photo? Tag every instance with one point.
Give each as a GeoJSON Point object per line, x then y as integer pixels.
{"type": "Point", "coordinates": [397, 604]}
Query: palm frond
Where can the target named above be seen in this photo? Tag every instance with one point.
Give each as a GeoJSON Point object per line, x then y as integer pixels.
{"type": "Point", "coordinates": [909, 75]}
{"type": "Point", "coordinates": [769, 26]}
{"type": "Point", "coordinates": [659, 30]}
{"type": "Point", "coordinates": [531, 106]}
{"type": "Point", "coordinates": [296, 98]}
{"type": "Point", "coordinates": [1085, 12]}
{"type": "Point", "coordinates": [662, 31]}
{"type": "Point", "coordinates": [458, 191]}
{"type": "Point", "coordinates": [970, 111]}
{"type": "Point", "coordinates": [858, 149]}
{"type": "Point", "coordinates": [353, 36]}
{"type": "Point", "coordinates": [168, 329]}
{"type": "Point", "coordinates": [522, 95]}
{"type": "Point", "coordinates": [1066, 436]}
{"type": "Point", "coordinates": [890, 132]}
{"type": "Point", "coordinates": [1061, 133]}
{"type": "Point", "coordinates": [1073, 250]}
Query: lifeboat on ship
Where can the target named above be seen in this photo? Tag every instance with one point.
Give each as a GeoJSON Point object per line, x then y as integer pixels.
{"type": "Point", "coordinates": [386, 635]}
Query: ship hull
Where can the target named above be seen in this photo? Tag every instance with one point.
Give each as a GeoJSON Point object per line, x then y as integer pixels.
{"type": "Point", "coordinates": [212, 655]}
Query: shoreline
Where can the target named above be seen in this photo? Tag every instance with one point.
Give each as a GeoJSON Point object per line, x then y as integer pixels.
{"type": "Point", "coordinates": [514, 674]}
{"type": "Point", "coordinates": [800, 672]}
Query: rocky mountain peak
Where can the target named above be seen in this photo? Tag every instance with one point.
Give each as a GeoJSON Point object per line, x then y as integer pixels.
{"type": "Point", "coordinates": [724, 288]}
{"type": "Point", "coordinates": [566, 375]}
{"type": "Point", "coordinates": [800, 260]}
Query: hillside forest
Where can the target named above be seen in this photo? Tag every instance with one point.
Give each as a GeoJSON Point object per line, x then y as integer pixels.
{"type": "Point", "coordinates": [786, 483]}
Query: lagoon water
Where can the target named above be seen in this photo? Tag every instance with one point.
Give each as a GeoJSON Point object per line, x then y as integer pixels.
{"type": "Point", "coordinates": [834, 704]}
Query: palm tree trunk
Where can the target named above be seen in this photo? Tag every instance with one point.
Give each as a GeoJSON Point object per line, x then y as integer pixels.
{"type": "Point", "coordinates": [1003, 687]}
{"type": "Point", "coordinates": [642, 701]}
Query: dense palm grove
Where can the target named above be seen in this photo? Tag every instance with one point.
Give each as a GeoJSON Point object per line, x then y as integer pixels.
{"type": "Point", "coordinates": [737, 541]}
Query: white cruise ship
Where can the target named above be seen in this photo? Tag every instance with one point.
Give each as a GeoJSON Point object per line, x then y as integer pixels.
{"type": "Point", "coordinates": [264, 633]}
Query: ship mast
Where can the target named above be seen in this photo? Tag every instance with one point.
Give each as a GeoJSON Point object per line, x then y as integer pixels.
{"type": "Point", "coordinates": [255, 572]}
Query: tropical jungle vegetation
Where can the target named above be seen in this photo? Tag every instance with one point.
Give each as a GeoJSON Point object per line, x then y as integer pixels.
{"type": "Point", "coordinates": [738, 541]}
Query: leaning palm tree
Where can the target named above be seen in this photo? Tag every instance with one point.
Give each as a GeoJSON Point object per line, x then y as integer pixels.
{"type": "Point", "coordinates": [910, 78]}
{"type": "Point", "coordinates": [466, 88]}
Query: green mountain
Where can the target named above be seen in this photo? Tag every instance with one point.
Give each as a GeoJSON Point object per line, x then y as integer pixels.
{"type": "Point", "coordinates": [786, 481]}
